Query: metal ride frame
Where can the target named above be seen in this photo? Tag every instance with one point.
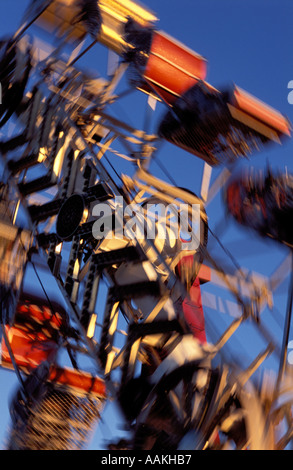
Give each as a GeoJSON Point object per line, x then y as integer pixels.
{"type": "Point", "coordinates": [59, 149]}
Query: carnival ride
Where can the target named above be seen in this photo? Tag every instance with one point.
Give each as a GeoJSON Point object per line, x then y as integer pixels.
{"type": "Point", "coordinates": [132, 303]}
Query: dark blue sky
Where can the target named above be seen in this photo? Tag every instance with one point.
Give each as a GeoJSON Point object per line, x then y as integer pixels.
{"type": "Point", "coordinates": [247, 42]}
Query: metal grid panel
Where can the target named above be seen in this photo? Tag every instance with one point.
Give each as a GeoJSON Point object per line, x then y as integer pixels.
{"type": "Point", "coordinates": [61, 420]}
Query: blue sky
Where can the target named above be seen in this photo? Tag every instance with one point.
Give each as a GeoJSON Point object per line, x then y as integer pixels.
{"type": "Point", "coordinates": [246, 42]}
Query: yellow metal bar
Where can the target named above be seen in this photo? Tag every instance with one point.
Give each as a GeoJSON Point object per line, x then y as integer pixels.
{"type": "Point", "coordinates": [61, 14]}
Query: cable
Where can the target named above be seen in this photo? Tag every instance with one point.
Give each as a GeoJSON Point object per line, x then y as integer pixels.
{"type": "Point", "coordinates": [163, 168]}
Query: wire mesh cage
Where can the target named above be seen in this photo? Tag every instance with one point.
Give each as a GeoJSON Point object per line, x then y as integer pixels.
{"type": "Point", "coordinates": [56, 416]}
{"type": "Point", "coordinates": [35, 333]}
{"type": "Point", "coordinates": [262, 201]}
{"type": "Point", "coordinates": [221, 127]}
